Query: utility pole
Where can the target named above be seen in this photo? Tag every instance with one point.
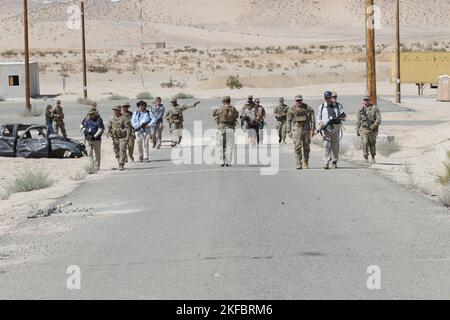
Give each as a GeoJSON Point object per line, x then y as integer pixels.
{"type": "Point", "coordinates": [370, 51]}
{"type": "Point", "coordinates": [398, 86]}
{"type": "Point", "coordinates": [27, 57]}
{"type": "Point", "coordinates": [83, 49]}
{"type": "Point", "coordinates": [142, 24]}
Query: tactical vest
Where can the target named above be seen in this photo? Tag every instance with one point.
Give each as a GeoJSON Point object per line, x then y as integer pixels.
{"type": "Point", "coordinates": [227, 116]}
{"type": "Point", "coordinates": [118, 129]}
{"type": "Point", "coordinates": [366, 120]}
{"type": "Point", "coordinates": [282, 113]}
{"type": "Point", "coordinates": [300, 115]}
{"type": "Point", "coordinates": [176, 116]}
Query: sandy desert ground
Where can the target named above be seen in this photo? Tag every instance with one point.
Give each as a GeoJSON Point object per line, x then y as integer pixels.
{"type": "Point", "coordinates": [280, 48]}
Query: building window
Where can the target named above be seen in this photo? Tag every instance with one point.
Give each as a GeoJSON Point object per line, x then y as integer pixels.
{"type": "Point", "coordinates": [13, 81]}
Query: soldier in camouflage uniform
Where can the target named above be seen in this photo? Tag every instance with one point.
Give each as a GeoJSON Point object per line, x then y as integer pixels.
{"type": "Point", "coordinates": [175, 118]}
{"type": "Point", "coordinates": [131, 142]}
{"type": "Point", "coordinates": [119, 129]}
{"type": "Point", "coordinates": [301, 126]}
{"type": "Point", "coordinates": [249, 120]}
{"type": "Point", "coordinates": [368, 120]}
{"type": "Point", "coordinates": [58, 118]}
{"type": "Point", "coordinates": [226, 118]}
{"type": "Point", "coordinates": [281, 115]}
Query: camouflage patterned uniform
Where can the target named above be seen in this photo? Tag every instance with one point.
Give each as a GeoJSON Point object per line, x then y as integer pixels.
{"type": "Point", "coordinates": [281, 115]}
{"type": "Point", "coordinates": [58, 118]}
{"type": "Point", "coordinates": [120, 129]}
{"type": "Point", "coordinates": [132, 141]}
{"type": "Point", "coordinates": [301, 124]}
{"type": "Point", "coordinates": [175, 118]}
{"type": "Point", "coordinates": [226, 118]}
{"type": "Point", "coordinates": [368, 120]}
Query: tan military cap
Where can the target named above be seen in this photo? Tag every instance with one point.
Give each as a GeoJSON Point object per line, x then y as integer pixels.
{"type": "Point", "coordinates": [173, 100]}
{"type": "Point", "coordinates": [366, 98]}
{"type": "Point", "coordinates": [299, 98]}
{"type": "Point", "coordinates": [281, 99]}
{"type": "Point", "coordinates": [226, 98]}
{"type": "Point", "coordinates": [250, 97]}
{"type": "Point", "coordinates": [334, 94]}
{"type": "Point", "coordinates": [117, 108]}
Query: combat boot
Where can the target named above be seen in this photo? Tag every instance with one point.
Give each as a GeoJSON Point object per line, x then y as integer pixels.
{"type": "Point", "coordinates": [299, 167]}
{"type": "Point", "coordinates": [306, 165]}
{"type": "Point", "coordinates": [335, 166]}
{"type": "Point", "coordinates": [121, 167]}
{"type": "Point", "coordinates": [373, 159]}
{"type": "Point", "coordinates": [326, 166]}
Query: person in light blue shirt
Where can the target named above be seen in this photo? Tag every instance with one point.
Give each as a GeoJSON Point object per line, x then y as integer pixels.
{"type": "Point", "coordinates": [141, 122]}
{"type": "Point", "coordinates": [333, 111]}
{"type": "Point", "coordinates": [157, 126]}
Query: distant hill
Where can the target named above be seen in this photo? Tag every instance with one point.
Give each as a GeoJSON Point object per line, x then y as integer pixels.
{"type": "Point", "coordinates": [207, 22]}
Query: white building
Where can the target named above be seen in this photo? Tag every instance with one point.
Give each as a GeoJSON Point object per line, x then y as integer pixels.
{"type": "Point", "coordinates": [12, 79]}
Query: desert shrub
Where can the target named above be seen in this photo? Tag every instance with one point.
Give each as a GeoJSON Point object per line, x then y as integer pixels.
{"type": "Point", "coordinates": [444, 196]}
{"type": "Point", "coordinates": [144, 96]}
{"type": "Point", "coordinates": [90, 167]}
{"type": "Point", "coordinates": [87, 102]}
{"type": "Point", "coordinates": [26, 182]}
{"type": "Point", "coordinates": [233, 82]}
{"type": "Point", "coordinates": [78, 176]}
{"type": "Point", "coordinates": [117, 97]}
{"type": "Point", "coordinates": [182, 95]}
{"type": "Point", "coordinates": [388, 146]}
{"type": "Point", "coordinates": [444, 178]}
{"type": "Point", "coordinates": [2, 99]}
{"type": "Point", "coordinates": [98, 69]}
{"type": "Point", "coordinates": [9, 53]}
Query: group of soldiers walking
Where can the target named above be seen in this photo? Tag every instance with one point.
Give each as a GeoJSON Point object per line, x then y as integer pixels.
{"type": "Point", "coordinates": [299, 122]}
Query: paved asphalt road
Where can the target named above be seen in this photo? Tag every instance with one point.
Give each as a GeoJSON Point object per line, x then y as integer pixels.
{"type": "Point", "coordinates": [162, 231]}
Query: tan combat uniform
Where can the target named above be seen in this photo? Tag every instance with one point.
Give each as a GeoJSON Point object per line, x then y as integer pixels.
{"type": "Point", "coordinates": [120, 129]}
{"type": "Point", "coordinates": [58, 118]}
{"type": "Point", "coordinates": [281, 116]}
{"type": "Point", "coordinates": [368, 121]}
{"type": "Point", "coordinates": [132, 141]}
{"type": "Point", "coordinates": [175, 118]}
{"type": "Point", "coordinates": [226, 118]}
{"type": "Point", "coordinates": [301, 123]}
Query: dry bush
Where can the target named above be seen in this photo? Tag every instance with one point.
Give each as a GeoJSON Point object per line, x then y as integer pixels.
{"type": "Point", "coordinates": [26, 182]}
{"type": "Point", "coordinates": [444, 178]}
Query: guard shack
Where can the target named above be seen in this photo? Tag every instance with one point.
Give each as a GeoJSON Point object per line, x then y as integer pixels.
{"type": "Point", "coordinates": [12, 80]}
{"type": "Point", "coordinates": [444, 89]}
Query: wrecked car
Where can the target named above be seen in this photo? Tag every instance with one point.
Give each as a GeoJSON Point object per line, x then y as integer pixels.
{"type": "Point", "coordinates": [32, 141]}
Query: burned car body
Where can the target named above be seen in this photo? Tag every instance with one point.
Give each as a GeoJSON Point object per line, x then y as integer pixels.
{"type": "Point", "coordinates": [32, 141]}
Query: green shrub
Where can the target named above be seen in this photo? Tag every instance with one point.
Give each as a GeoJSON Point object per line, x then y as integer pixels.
{"type": "Point", "coordinates": [117, 97]}
{"type": "Point", "coordinates": [182, 95]}
{"type": "Point", "coordinates": [444, 178]}
{"type": "Point", "coordinates": [98, 69]}
{"type": "Point", "coordinates": [144, 96]}
{"type": "Point", "coordinates": [26, 182]}
{"type": "Point", "coordinates": [233, 82]}
{"type": "Point", "coordinates": [388, 146]}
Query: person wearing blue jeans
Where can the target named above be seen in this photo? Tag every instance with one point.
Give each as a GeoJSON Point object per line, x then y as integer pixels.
{"type": "Point", "coordinates": [49, 120]}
